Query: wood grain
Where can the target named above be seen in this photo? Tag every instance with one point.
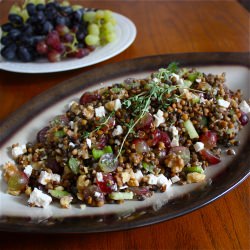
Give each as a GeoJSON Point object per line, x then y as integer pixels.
{"type": "Point", "coordinates": [163, 27]}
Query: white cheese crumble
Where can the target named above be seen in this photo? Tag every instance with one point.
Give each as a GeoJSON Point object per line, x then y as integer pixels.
{"type": "Point", "coordinates": [175, 179]}
{"type": "Point", "coordinates": [138, 175]}
{"type": "Point", "coordinates": [117, 142]}
{"type": "Point", "coordinates": [198, 80]}
{"type": "Point", "coordinates": [177, 77]}
{"type": "Point", "coordinates": [97, 194]}
{"type": "Point", "coordinates": [175, 134]}
{"type": "Point", "coordinates": [223, 103]}
{"type": "Point", "coordinates": [88, 141]}
{"type": "Point", "coordinates": [39, 199]}
{"type": "Point", "coordinates": [123, 187]}
{"type": "Point", "coordinates": [117, 131]}
{"type": "Point", "coordinates": [163, 180]}
{"type": "Point", "coordinates": [99, 176]}
{"type": "Point", "coordinates": [118, 104]}
{"type": "Point", "coordinates": [71, 124]}
{"type": "Point", "coordinates": [159, 119]}
{"type": "Point", "coordinates": [71, 144]}
{"type": "Point", "coordinates": [244, 107]}
{"type": "Point", "coordinates": [18, 150]}
{"type": "Point", "coordinates": [28, 170]}
{"type": "Point", "coordinates": [198, 146]}
{"type": "Point", "coordinates": [152, 180]}
{"type": "Point", "coordinates": [46, 177]}
{"type": "Point", "coordinates": [100, 111]}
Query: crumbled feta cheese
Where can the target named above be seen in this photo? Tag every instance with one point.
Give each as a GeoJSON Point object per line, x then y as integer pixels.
{"type": "Point", "coordinates": [71, 144]}
{"type": "Point", "coordinates": [223, 103]}
{"type": "Point", "coordinates": [175, 179]}
{"type": "Point", "coordinates": [100, 111]}
{"type": "Point", "coordinates": [97, 194]}
{"type": "Point", "coordinates": [177, 77]}
{"type": "Point", "coordinates": [163, 180]}
{"type": "Point", "coordinates": [39, 199]}
{"type": "Point", "coordinates": [159, 119]}
{"type": "Point", "coordinates": [175, 140]}
{"type": "Point", "coordinates": [138, 175]}
{"type": "Point", "coordinates": [71, 124]}
{"type": "Point", "coordinates": [152, 180]}
{"type": "Point", "coordinates": [88, 141]}
{"type": "Point", "coordinates": [156, 79]}
{"type": "Point", "coordinates": [198, 80]}
{"type": "Point", "coordinates": [99, 176]}
{"type": "Point", "coordinates": [28, 170]}
{"type": "Point", "coordinates": [117, 131]}
{"type": "Point", "coordinates": [118, 104]}
{"type": "Point", "coordinates": [117, 142]}
{"type": "Point", "coordinates": [123, 187]}
{"type": "Point", "coordinates": [18, 150]}
{"type": "Point", "coordinates": [244, 107]}
{"type": "Point", "coordinates": [198, 146]}
{"type": "Point", "coordinates": [46, 177]}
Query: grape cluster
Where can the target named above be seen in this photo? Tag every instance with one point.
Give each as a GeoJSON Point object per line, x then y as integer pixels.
{"type": "Point", "coordinates": [54, 30]}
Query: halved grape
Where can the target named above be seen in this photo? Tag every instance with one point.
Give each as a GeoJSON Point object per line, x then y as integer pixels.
{"type": "Point", "coordinates": [183, 152]}
{"type": "Point", "coordinates": [17, 181]}
{"type": "Point", "coordinates": [108, 163]}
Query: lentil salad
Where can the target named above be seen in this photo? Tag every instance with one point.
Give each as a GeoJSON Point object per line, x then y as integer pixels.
{"type": "Point", "coordinates": [130, 139]}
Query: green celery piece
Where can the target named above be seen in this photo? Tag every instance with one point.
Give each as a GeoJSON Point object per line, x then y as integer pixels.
{"type": "Point", "coordinates": [191, 129]}
{"type": "Point", "coordinates": [74, 165]}
{"type": "Point", "coordinates": [121, 196]}
{"type": "Point", "coordinates": [98, 153]}
{"type": "Point", "coordinates": [58, 193]}
{"type": "Point", "coordinates": [59, 133]}
{"type": "Point", "coordinates": [192, 169]}
{"type": "Point", "coordinates": [149, 168]}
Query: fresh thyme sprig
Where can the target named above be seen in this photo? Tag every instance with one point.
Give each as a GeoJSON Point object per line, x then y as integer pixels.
{"type": "Point", "coordinates": [86, 134]}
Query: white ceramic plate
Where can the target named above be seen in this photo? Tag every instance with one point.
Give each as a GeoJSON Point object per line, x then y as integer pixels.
{"type": "Point", "coordinates": [23, 125]}
{"type": "Point", "coordinates": [126, 33]}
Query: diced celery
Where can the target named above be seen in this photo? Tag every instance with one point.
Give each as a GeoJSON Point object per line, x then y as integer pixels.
{"type": "Point", "coordinates": [121, 196]}
{"type": "Point", "coordinates": [74, 165]}
{"type": "Point", "coordinates": [192, 169]}
{"type": "Point", "coordinates": [58, 193]}
{"type": "Point", "coordinates": [148, 167]}
{"type": "Point", "coordinates": [98, 153]}
{"type": "Point", "coordinates": [191, 129]}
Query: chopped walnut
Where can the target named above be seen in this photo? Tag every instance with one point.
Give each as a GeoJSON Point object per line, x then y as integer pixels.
{"type": "Point", "coordinates": [88, 112]}
{"type": "Point", "coordinates": [65, 201]}
{"type": "Point", "coordinates": [110, 106]}
{"type": "Point", "coordinates": [125, 177]}
{"type": "Point", "coordinates": [175, 162]}
{"type": "Point", "coordinates": [136, 158]}
{"type": "Point", "coordinates": [133, 182]}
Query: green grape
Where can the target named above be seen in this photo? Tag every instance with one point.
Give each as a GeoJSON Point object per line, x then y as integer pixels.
{"type": "Point", "coordinates": [89, 16]}
{"type": "Point", "coordinates": [108, 27]}
{"type": "Point", "coordinates": [65, 3]}
{"type": "Point", "coordinates": [92, 40]}
{"type": "Point", "coordinates": [24, 14]}
{"type": "Point", "coordinates": [15, 9]}
{"type": "Point", "coordinates": [107, 15]}
{"type": "Point", "coordinates": [93, 29]}
{"type": "Point", "coordinates": [99, 14]}
{"type": "Point", "coordinates": [111, 37]}
{"type": "Point", "coordinates": [76, 7]}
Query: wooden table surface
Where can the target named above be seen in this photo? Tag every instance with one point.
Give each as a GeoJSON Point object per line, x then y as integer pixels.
{"type": "Point", "coordinates": [163, 27]}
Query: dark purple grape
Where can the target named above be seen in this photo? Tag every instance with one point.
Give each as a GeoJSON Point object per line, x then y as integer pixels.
{"type": "Point", "coordinates": [67, 10]}
{"type": "Point", "coordinates": [9, 52]}
{"type": "Point", "coordinates": [33, 20]}
{"type": "Point", "coordinates": [15, 19]}
{"type": "Point", "coordinates": [243, 119]}
{"type": "Point", "coordinates": [54, 166]}
{"type": "Point", "coordinates": [60, 20]}
{"type": "Point", "coordinates": [41, 135]}
{"type": "Point", "coordinates": [31, 9]}
{"type": "Point", "coordinates": [47, 27]}
{"type": "Point", "coordinates": [77, 16]}
{"type": "Point", "coordinates": [68, 38]}
{"type": "Point", "coordinates": [24, 54]}
{"type": "Point", "coordinates": [27, 40]}
{"type": "Point", "coordinates": [5, 40]}
{"type": "Point", "coordinates": [14, 34]}
{"type": "Point", "coordinates": [7, 27]}
{"type": "Point", "coordinates": [27, 29]}
{"type": "Point", "coordinates": [40, 17]}
{"type": "Point", "coordinates": [40, 7]}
